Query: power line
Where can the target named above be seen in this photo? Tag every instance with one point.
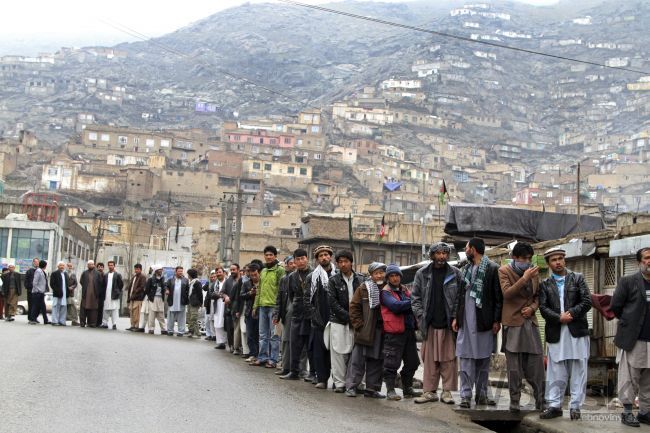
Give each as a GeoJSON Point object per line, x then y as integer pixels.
{"type": "Point", "coordinates": [136, 34]}
{"type": "Point", "coordinates": [460, 38]}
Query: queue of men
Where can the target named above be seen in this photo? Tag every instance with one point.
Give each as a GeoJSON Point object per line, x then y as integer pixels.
{"type": "Point", "coordinates": [332, 325]}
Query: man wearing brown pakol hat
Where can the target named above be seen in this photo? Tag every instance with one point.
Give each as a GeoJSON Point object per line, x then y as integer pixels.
{"type": "Point", "coordinates": [564, 301]}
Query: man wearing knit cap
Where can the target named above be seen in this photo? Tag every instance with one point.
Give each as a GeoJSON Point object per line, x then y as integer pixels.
{"type": "Point", "coordinates": [435, 290]}
{"type": "Point", "coordinates": [368, 352]}
{"type": "Point", "coordinates": [564, 301]}
{"type": "Point", "coordinates": [317, 303]}
{"type": "Point", "coordinates": [156, 295]}
{"type": "Point", "coordinates": [399, 335]}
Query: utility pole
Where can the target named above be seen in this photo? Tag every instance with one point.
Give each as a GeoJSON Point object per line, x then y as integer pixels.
{"type": "Point", "coordinates": [578, 198]}
{"type": "Point", "coordinates": [423, 212]}
{"type": "Point", "coordinates": [238, 216]}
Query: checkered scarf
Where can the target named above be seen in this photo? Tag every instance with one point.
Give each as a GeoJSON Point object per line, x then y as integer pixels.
{"type": "Point", "coordinates": [476, 286]}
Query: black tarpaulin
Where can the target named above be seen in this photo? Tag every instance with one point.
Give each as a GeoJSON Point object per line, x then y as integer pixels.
{"type": "Point", "coordinates": [511, 222]}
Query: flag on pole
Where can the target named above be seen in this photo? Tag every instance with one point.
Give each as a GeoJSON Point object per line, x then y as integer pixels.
{"type": "Point", "coordinates": [382, 231]}
{"type": "Point", "coordinates": [443, 193]}
{"type": "Point", "coordinates": [350, 232]}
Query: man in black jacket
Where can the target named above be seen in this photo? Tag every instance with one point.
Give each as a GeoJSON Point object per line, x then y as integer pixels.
{"type": "Point", "coordinates": [564, 301]}
{"type": "Point", "coordinates": [177, 290]}
{"type": "Point", "coordinates": [12, 284]}
{"type": "Point", "coordinates": [282, 314]}
{"type": "Point", "coordinates": [110, 294]}
{"type": "Point", "coordinates": [156, 295]}
{"type": "Point", "coordinates": [29, 279]}
{"type": "Point", "coordinates": [630, 304]}
{"type": "Point", "coordinates": [60, 292]}
{"type": "Point", "coordinates": [247, 298]}
{"type": "Point", "coordinates": [300, 321]}
{"type": "Point", "coordinates": [478, 318]}
{"type": "Point", "coordinates": [341, 287]}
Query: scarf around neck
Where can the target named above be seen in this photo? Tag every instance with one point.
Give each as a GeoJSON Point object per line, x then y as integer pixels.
{"type": "Point", "coordinates": [319, 274]}
{"type": "Point", "coordinates": [373, 293]}
{"type": "Point", "coordinates": [476, 286]}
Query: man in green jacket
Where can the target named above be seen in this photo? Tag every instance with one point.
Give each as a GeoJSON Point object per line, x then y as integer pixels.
{"type": "Point", "coordinates": [263, 308]}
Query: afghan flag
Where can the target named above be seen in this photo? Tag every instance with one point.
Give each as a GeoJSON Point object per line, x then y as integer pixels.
{"type": "Point", "coordinates": [443, 193]}
{"type": "Point", "coordinates": [382, 231]}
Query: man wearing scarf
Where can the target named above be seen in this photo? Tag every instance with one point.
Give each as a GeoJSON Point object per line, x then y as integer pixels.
{"type": "Point", "coordinates": [521, 341]}
{"type": "Point", "coordinates": [478, 318]}
{"type": "Point", "coordinates": [631, 305]}
{"type": "Point", "coordinates": [210, 287]}
{"type": "Point", "coordinates": [155, 296]}
{"type": "Point", "coordinates": [433, 301]}
{"type": "Point", "coordinates": [564, 301]}
{"type": "Point", "coordinates": [282, 315]}
{"type": "Point", "coordinates": [317, 304]}
{"type": "Point", "coordinates": [263, 308]}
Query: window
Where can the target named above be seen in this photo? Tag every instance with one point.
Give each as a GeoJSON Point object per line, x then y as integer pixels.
{"type": "Point", "coordinates": [287, 140]}
{"type": "Point", "coordinates": [261, 140]}
{"type": "Point", "coordinates": [299, 142]}
{"type": "Point", "coordinates": [549, 194]}
{"type": "Point", "coordinates": [303, 172]}
{"type": "Point", "coordinates": [150, 142]}
{"type": "Point", "coordinates": [53, 171]}
{"type": "Point", "coordinates": [266, 224]}
{"type": "Point", "coordinates": [119, 260]}
{"type": "Point", "coordinates": [27, 244]}
{"type": "Point", "coordinates": [136, 140]}
{"type": "Point", "coordinates": [267, 167]}
{"type": "Point", "coordinates": [273, 141]}
{"type": "Point", "coordinates": [568, 199]}
{"type": "Point", "coordinates": [370, 256]}
{"type": "Point", "coordinates": [291, 170]}
{"type": "Point", "coordinates": [122, 139]}
{"type": "Point", "coordinates": [106, 137]}
{"type": "Point", "coordinates": [114, 228]}
{"type": "Point", "coordinates": [4, 238]}
{"type": "Point", "coordinates": [92, 136]}
{"type": "Point", "coordinates": [315, 129]}
{"type": "Point", "coordinates": [256, 166]}
{"type": "Point", "coordinates": [317, 156]}
{"type": "Point", "coordinates": [164, 143]}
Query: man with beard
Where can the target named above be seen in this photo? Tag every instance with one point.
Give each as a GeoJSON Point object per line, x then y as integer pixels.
{"type": "Point", "coordinates": [60, 292]}
{"type": "Point", "coordinates": [233, 305]}
{"type": "Point", "coordinates": [136, 295]}
{"type": "Point", "coordinates": [317, 303]}
{"type": "Point", "coordinates": [73, 314]}
{"type": "Point", "coordinates": [478, 320]}
{"type": "Point", "coordinates": [111, 293]}
{"type": "Point", "coordinates": [631, 305]}
{"type": "Point", "coordinates": [435, 290]}
{"type": "Point", "coordinates": [298, 284]}
{"type": "Point", "coordinates": [12, 288]}
{"type": "Point", "coordinates": [228, 296]}
{"type": "Point", "coordinates": [29, 281]}
{"type": "Point", "coordinates": [90, 287]}
{"type": "Point", "coordinates": [100, 299]}
{"type": "Point", "coordinates": [248, 293]}
{"type": "Point", "coordinates": [209, 304]}
{"type": "Point", "coordinates": [177, 290]}
{"type": "Point", "coordinates": [219, 310]}
{"type": "Point", "coordinates": [156, 296]}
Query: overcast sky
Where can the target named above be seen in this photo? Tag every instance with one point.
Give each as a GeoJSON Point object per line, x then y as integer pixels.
{"type": "Point", "coordinates": [69, 22]}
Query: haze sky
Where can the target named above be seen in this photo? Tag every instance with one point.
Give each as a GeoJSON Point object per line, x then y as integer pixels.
{"type": "Point", "coordinates": [74, 22]}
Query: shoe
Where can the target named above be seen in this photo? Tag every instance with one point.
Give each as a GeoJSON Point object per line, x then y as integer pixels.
{"type": "Point", "coordinates": [629, 419]}
{"type": "Point", "coordinates": [150, 331]}
{"type": "Point", "coordinates": [465, 403]}
{"type": "Point", "coordinates": [179, 334]}
{"type": "Point", "coordinates": [236, 353]}
{"type": "Point", "coordinates": [138, 330]}
{"type": "Point", "coordinates": [321, 385]}
{"type": "Point", "coordinates": [514, 407]}
{"type": "Point", "coordinates": [256, 363]}
{"type": "Point", "coordinates": [281, 372]}
{"type": "Point", "coordinates": [447, 398]}
{"type": "Point", "coordinates": [220, 346]}
{"type": "Point", "coordinates": [643, 418]}
{"type": "Point", "coordinates": [269, 364]}
{"type": "Point", "coordinates": [245, 355]}
{"type": "Point", "coordinates": [373, 394]}
{"type": "Point", "coordinates": [75, 323]}
{"type": "Point", "coordinates": [351, 392]}
{"type": "Point", "coordinates": [82, 326]}
{"type": "Point", "coordinates": [290, 376]}
{"type": "Point", "coordinates": [484, 401]}
{"type": "Point", "coordinates": [392, 395]}
{"type": "Point", "coordinates": [314, 381]}
{"type": "Point", "coordinates": [551, 412]}
{"type": "Point", "coordinates": [103, 326]}
{"type": "Point", "coordinates": [309, 378]}
{"type": "Point", "coordinates": [410, 393]}
{"type": "Point", "coordinates": [427, 397]}
{"type": "Point", "coordinates": [574, 414]}
{"type": "Point", "coordinates": [130, 329]}
{"type": "Point", "coordinates": [32, 322]}
{"type": "Point", "coordinates": [249, 358]}
{"type": "Point", "coordinates": [114, 327]}
{"type": "Point", "coordinates": [162, 332]}
{"type": "Point", "coordinates": [208, 338]}
{"type": "Point", "coordinates": [339, 389]}
{"type": "Point", "coordinates": [11, 319]}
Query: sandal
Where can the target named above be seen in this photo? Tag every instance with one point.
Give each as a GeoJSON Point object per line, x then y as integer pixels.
{"type": "Point", "coordinates": [269, 365]}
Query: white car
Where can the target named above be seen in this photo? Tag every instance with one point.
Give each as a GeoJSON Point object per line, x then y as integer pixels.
{"type": "Point", "coordinates": [21, 308]}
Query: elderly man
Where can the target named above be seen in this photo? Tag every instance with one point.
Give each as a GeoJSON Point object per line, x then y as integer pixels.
{"type": "Point", "coordinates": [60, 293]}
{"type": "Point", "coordinates": [177, 290]}
{"type": "Point", "coordinates": [433, 300]}
{"type": "Point", "coordinates": [136, 295]}
{"type": "Point", "coordinates": [72, 314]}
{"type": "Point", "coordinates": [156, 295]}
{"type": "Point", "coordinates": [210, 287]}
{"type": "Point", "coordinates": [564, 301]}
{"type": "Point", "coordinates": [630, 304]}
{"type": "Point", "coordinates": [91, 283]}
{"type": "Point", "coordinates": [12, 288]}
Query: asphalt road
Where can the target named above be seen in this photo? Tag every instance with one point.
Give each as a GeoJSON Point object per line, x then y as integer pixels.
{"type": "Point", "coordinates": [79, 380]}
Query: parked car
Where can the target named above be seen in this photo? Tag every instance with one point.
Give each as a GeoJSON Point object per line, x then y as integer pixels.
{"type": "Point", "coordinates": [21, 308]}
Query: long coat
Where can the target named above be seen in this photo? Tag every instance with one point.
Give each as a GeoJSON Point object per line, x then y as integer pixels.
{"type": "Point", "coordinates": [629, 304]}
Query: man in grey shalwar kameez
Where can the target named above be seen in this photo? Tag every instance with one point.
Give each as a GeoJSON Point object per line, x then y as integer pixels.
{"type": "Point", "coordinates": [564, 301]}
{"type": "Point", "coordinates": [631, 305]}
{"type": "Point", "coordinates": [477, 322]}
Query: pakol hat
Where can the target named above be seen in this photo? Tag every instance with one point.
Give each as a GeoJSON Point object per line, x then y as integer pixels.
{"type": "Point", "coordinates": [319, 249]}
{"type": "Point", "coordinates": [553, 252]}
{"type": "Point", "coordinates": [374, 266]}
